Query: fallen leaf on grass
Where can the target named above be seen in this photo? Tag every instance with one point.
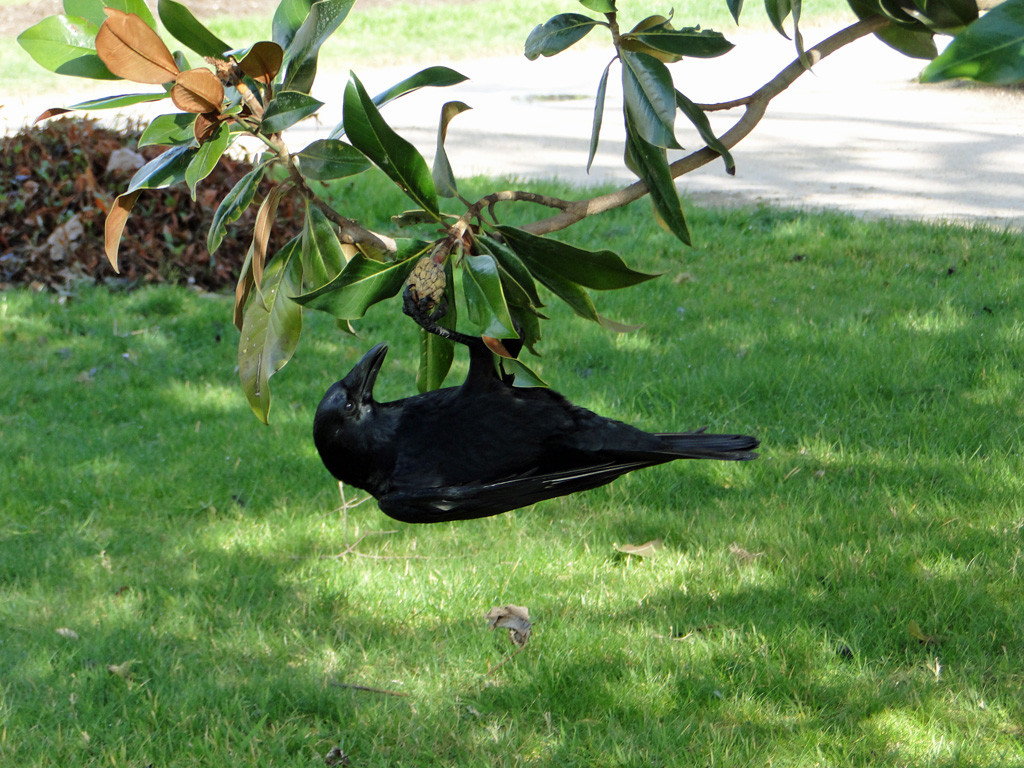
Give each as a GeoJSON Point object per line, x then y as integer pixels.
{"type": "Point", "coordinates": [336, 756]}
{"type": "Point", "coordinates": [515, 618]}
{"type": "Point", "coordinates": [120, 670]}
{"type": "Point", "coordinates": [743, 555]}
{"type": "Point", "coordinates": [70, 634]}
{"type": "Point", "coordinates": [915, 632]}
{"type": "Point", "coordinates": [647, 549]}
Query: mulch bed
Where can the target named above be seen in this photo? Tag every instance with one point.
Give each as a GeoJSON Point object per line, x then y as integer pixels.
{"type": "Point", "coordinates": [57, 189]}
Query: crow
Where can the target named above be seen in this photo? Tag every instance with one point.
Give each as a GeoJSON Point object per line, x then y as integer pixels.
{"type": "Point", "coordinates": [484, 447]}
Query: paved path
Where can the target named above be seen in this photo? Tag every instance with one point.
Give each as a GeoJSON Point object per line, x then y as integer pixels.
{"type": "Point", "coordinates": [857, 134]}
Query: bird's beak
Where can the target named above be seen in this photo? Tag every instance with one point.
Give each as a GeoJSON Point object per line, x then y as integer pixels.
{"type": "Point", "coordinates": [363, 376]}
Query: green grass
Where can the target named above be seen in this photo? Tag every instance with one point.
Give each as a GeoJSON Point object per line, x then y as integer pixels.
{"type": "Point", "coordinates": [146, 510]}
{"type": "Point", "coordinates": [426, 33]}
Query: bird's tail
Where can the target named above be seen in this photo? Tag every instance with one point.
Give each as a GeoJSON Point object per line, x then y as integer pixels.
{"type": "Point", "coordinates": [701, 445]}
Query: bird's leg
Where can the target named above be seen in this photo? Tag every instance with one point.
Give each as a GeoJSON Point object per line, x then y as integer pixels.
{"type": "Point", "coordinates": [426, 312]}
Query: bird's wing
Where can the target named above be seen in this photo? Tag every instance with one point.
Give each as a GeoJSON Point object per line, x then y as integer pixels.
{"type": "Point", "coordinates": [473, 500]}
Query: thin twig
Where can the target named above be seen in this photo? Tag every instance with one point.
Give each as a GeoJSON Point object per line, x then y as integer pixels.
{"type": "Point", "coordinates": [506, 660]}
{"type": "Point", "coordinates": [369, 689]}
{"type": "Point", "coordinates": [756, 104]}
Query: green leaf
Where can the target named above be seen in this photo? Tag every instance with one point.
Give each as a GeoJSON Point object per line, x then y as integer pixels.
{"type": "Point", "coordinates": [650, 98]}
{"type": "Point", "coordinates": [651, 165]}
{"type": "Point", "coordinates": [486, 308]}
{"type": "Point", "coordinates": [286, 109]}
{"type": "Point", "coordinates": [270, 328]}
{"type": "Point", "coordinates": [390, 152]}
{"type": "Point", "coordinates": [162, 171]}
{"type": "Point", "coordinates": [327, 159]}
{"type": "Point", "coordinates": [176, 128]}
{"type": "Point", "coordinates": [735, 8]}
{"type": "Point", "coordinates": [116, 102]}
{"type": "Point", "coordinates": [948, 15]}
{"type": "Point", "coordinates": [322, 257]}
{"type": "Point", "coordinates": [300, 55]}
{"type": "Point", "coordinates": [991, 50]}
{"type": "Point", "coordinates": [558, 33]}
{"type": "Point", "coordinates": [601, 6]}
{"type": "Point", "coordinates": [694, 42]}
{"type": "Point", "coordinates": [600, 270]}
{"type": "Point", "coordinates": [595, 131]}
{"type": "Point", "coordinates": [362, 283]}
{"type": "Point", "coordinates": [431, 76]}
{"type": "Point", "coordinates": [93, 9]}
{"type": "Point", "coordinates": [287, 19]}
{"type": "Point", "coordinates": [188, 30]}
{"type": "Point", "coordinates": [444, 178]}
{"type": "Point", "coordinates": [700, 121]}
{"type": "Point", "coordinates": [207, 157]}
{"type": "Point", "coordinates": [777, 11]}
{"type": "Point", "coordinates": [915, 43]}
{"type": "Point", "coordinates": [66, 45]}
{"type": "Point", "coordinates": [232, 206]}
{"type": "Point", "coordinates": [509, 261]}
{"type": "Point", "coordinates": [525, 376]}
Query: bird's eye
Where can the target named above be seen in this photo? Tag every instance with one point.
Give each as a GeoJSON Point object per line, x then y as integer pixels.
{"type": "Point", "coordinates": [350, 406]}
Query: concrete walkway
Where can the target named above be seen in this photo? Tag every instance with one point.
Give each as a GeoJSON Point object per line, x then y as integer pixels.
{"type": "Point", "coordinates": [856, 134]}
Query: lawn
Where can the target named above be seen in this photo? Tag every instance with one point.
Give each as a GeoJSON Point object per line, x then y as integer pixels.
{"type": "Point", "coordinates": [178, 586]}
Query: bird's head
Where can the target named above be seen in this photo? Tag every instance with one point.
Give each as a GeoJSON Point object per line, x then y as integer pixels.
{"type": "Point", "coordinates": [344, 427]}
{"type": "Point", "coordinates": [351, 399]}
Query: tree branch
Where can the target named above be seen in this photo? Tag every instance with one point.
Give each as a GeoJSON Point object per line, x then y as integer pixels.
{"type": "Point", "coordinates": [756, 104]}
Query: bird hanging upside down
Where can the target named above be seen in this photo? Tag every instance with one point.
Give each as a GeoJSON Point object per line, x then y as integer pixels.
{"type": "Point", "coordinates": [485, 447]}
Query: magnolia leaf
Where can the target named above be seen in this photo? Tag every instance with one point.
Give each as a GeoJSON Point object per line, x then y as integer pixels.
{"type": "Point", "coordinates": [595, 132]}
{"type": "Point", "coordinates": [600, 270]}
{"type": "Point", "coordinates": [777, 11]}
{"type": "Point", "coordinates": [198, 91]}
{"type": "Point", "coordinates": [286, 109]}
{"type": "Point", "coordinates": [486, 308]}
{"type": "Point", "coordinates": [700, 121]}
{"type": "Point", "coordinates": [270, 328]}
{"type": "Point", "coordinates": [66, 45]}
{"type": "Point", "coordinates": [232, 206]}
{"type": "Point", "coordinates": [514, 618]}
{"type": "Point", "coordinates": [647, 549]}
{"type": "Point", "coordinates": [288, 19]}
{"type": "Point", "coordinates": [399, 159]}
{"type": "Point", "coordinates": [261, 231]}
{"type": "Point", "coordinates": [114, 225]}
{"type": "Point", "coordinates": [989, 50]}
{"type": "Point", "coordinates": [168, 130]}
{"type": "Point", "coordinates": [243, 288]}
{"type": "Point", "coordinates": [601, 6]}
{"type": "Point", "coordinates": [262, 61]}
{"type": "Point", "coordinates": [132, 50]}
{"type": "Point", "coordinates": [444, 178]}
{"type": "Point", "coordinates": [735, 8]}
{"type": "Point", "coordinates": [650, 98]}
{"type": "Point", "coordinates": [558, 33]}
{"type": "Point", "coordinates": [693, 42]}
{"type": "Point", "coordinates": [207, 157]}
{"type": "Point", "coordinates": [437, 354]}
{"type": "Point", "coordinates": [95, 10]}
{"type": "Point", "coordinates": [327, 159]}
{"type": "Point", "coordinates": [163, 170]}
{"type": "Point", "coordinates": [362, 283]}
{"type": "Point", "coordinates": [322, 254]}
{"type": "Point", "coordinates": [301, 52]}
{"type": "Point", "coordinates": [651, 164]}
{"type": "Point", "coordinates": [187, 29]}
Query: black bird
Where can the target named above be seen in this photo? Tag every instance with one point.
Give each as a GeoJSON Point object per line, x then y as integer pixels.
{"type": "Point", "coordinates": [485, 447]}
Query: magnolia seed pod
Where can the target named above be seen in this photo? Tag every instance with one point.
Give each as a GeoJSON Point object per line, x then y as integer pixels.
{"type": "Point", "coordinates": [427, 281]}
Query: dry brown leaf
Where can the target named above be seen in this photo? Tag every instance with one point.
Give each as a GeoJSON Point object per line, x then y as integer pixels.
{"type": "Point", "coordinates": [62, 241]}
{"type": "Point", "coordinates": [515, 618]}
{"type": "Point", "coordinates": [647, 549]}
{"type": "Point", "coordinates": [115, 222]}
{"type": "Point", "coordinates": [133, 50]}
{"type": "Point", "coordinates": [496, 346]}
{"type": "Point", "coordinates": [263, 61]}
{"type": "Point", "coordinates": [198, 91]}
{"type": "Point", "coordinates": [744, 555]}
{"type": "Point", "coordinates": [261, 232]}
